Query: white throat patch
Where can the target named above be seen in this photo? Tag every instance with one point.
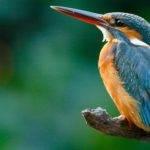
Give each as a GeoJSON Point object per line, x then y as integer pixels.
{"type": "Point", "coordinates": [106, 35]}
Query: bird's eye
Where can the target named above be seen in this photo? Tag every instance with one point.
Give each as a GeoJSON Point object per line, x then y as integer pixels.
{"type": "Point", "coordinates": [118, 22]}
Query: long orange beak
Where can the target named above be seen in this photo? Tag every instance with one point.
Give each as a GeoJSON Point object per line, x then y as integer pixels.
{"type": "Point", "coordinates": [85, 16]}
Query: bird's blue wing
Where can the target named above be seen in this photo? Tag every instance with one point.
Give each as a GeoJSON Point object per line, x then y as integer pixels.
{"type": "Point", "coordinates": [133, 65]}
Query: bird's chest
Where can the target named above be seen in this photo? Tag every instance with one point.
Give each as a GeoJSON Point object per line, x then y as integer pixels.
{"type": "Point", "coordinates": [107, 69]}
{"type": "Point", "coordinates": [112, 81]}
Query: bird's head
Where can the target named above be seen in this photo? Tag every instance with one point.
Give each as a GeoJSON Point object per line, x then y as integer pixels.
{"type": "Point", "coordinates": [133, 26]}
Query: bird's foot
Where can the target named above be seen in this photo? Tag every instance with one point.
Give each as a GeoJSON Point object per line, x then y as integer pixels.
{"type": "Point", "coordinates": [123, 121]}
{"type": "Point", "coordinates": [120, 118]}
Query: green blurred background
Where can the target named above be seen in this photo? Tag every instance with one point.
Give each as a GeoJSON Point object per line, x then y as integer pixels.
{"type": "Point", "coordinates": [48, 75]}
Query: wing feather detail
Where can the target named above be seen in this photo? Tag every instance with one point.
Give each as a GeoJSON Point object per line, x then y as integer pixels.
{"type": "Point", "coordinates": [133, 66]}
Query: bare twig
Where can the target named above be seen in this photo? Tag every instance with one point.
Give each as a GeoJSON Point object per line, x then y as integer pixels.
{"type": "Point", "coordinates": [100, 120]}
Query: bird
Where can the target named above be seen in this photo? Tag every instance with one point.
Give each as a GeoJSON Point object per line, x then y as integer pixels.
{"type": "Point", "coordinates": [124, 61]}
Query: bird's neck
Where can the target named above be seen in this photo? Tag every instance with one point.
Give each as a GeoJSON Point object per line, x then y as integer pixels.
{"type": "Point", "coordinates": [127, 34]}
{"type": "Point", "coordinates": [144, 30]}
{"type": "Point", "coordinates": [138, 42]}
{"type": "Point", "coordinates": [134, 36]}
{"type": "Point", "coordinates": [146, 36]}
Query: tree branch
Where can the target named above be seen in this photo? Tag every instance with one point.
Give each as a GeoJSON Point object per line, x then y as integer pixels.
{"type": "Point", "coordinates": [100, 120]}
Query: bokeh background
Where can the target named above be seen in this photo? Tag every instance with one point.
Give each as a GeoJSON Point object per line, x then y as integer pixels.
{"type": "Point", "coordinates": [48, 75]}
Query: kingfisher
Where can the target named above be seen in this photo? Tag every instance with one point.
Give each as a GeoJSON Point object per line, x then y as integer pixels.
{"type": "Point", "coordinates": [124, 61]}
